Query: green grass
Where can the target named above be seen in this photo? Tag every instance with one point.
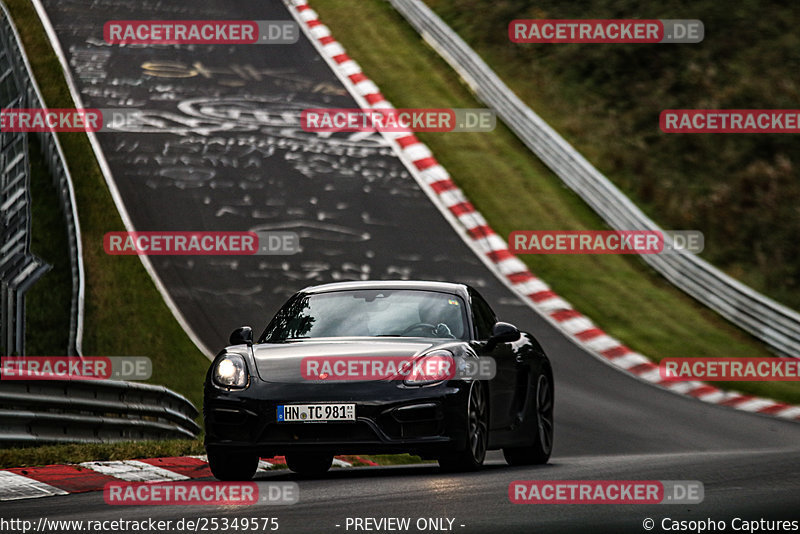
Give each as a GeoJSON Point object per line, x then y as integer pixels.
{"type": "Point", "coordinates": [101, 452]}
{"type": "Point", "coordinates": [48, 301]}
{"type": "Point", "coordinates": [395, 459]}
{"type": "Point", "coordinates": [741, 190]}
{"type": "Point", "coordinates": [125, 314]}
{"type": "Point", "coordinates": [80, 452]}
{"type": "Point", "coordinates": [514, 191]}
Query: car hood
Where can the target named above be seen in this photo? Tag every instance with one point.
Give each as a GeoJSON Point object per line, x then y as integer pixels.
{"type": "Point", "coordinates": [281, 362]}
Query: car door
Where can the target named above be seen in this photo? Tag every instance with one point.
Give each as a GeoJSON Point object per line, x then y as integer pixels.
{"type": "Point", "coordinates": [502, 387]}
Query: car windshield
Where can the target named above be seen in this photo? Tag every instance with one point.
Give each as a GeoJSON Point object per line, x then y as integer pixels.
{"type": "Point", "coordinates": [373, 312]}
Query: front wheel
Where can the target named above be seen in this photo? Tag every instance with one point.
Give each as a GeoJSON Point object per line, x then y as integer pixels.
{"type": "Point", "coordinates": [471, 458]}
{"type": "Point", "coordinates": [232, 466]}
{"type": "Point", "coordinates": [539, 452]}
{"type": "Point", "coordinates": [309, 464]}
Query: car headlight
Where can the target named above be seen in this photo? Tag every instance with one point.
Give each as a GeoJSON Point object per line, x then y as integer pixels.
{"type": "Point", "coordinates": [435, 366]}
{"type": "Point", "coordinates": [230, 371]}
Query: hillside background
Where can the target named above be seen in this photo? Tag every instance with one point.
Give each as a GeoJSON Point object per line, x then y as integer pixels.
{"type": "Point", "coordinates": [741, 190]}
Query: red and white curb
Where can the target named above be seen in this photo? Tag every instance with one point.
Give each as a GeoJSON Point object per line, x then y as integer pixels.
{"type": "Point", "coordinates": [45, 481]}
{"type": "Point", "coordinates": [492, 248]}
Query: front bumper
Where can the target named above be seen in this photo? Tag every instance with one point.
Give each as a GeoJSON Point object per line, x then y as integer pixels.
{"type": "Point", "coordinates": [427, 421]}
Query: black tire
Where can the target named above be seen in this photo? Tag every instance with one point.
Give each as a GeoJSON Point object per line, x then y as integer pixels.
{"type": "Point", "coordinates": [309, 465]}
{"type": "Point", "coordinates": [539, 452]}
{"type": "Point", "coordinates": [232, 466]}
{"type": "Point", "coordinates": [477, 438]}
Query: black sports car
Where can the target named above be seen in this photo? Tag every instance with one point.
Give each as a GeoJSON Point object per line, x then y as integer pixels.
{"type": "Point", "coordinates": [379, 367]}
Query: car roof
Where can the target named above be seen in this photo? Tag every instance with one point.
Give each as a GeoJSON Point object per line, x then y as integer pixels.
{"type": "Point", "coordinates": [441, 287]}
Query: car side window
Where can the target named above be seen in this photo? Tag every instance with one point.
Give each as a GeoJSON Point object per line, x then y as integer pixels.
{"type": "Point", "coordinates": [482, 316]}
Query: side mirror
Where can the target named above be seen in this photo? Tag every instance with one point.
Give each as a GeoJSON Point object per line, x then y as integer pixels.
{"type": "Point", "coordinates": [503, 333]}
{"type": "Point", "coordinates": [241, 336]}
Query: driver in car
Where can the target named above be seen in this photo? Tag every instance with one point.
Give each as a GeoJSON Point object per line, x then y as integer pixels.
{"type": "Point", "coordinates": [441, 318]}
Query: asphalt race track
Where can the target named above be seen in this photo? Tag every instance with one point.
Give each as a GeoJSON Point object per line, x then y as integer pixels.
{"type": "Point", "coordinates": [361, 215]}
{"type": "Point", "coordinates": [736, 485]}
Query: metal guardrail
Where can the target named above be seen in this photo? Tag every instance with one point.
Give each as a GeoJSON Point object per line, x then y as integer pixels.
{"type": "Point", "coordinates": [92, 411]}
{"type": "Point", "coordinates": [770, 321]}
{"type": "Point", "coordinates": [19, 269]}
{"type": "Point", "coordinates": [63, 411]}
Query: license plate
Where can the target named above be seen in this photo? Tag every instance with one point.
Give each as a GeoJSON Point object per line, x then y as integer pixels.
{"type": "Point", "coordinates": [316, 413]}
